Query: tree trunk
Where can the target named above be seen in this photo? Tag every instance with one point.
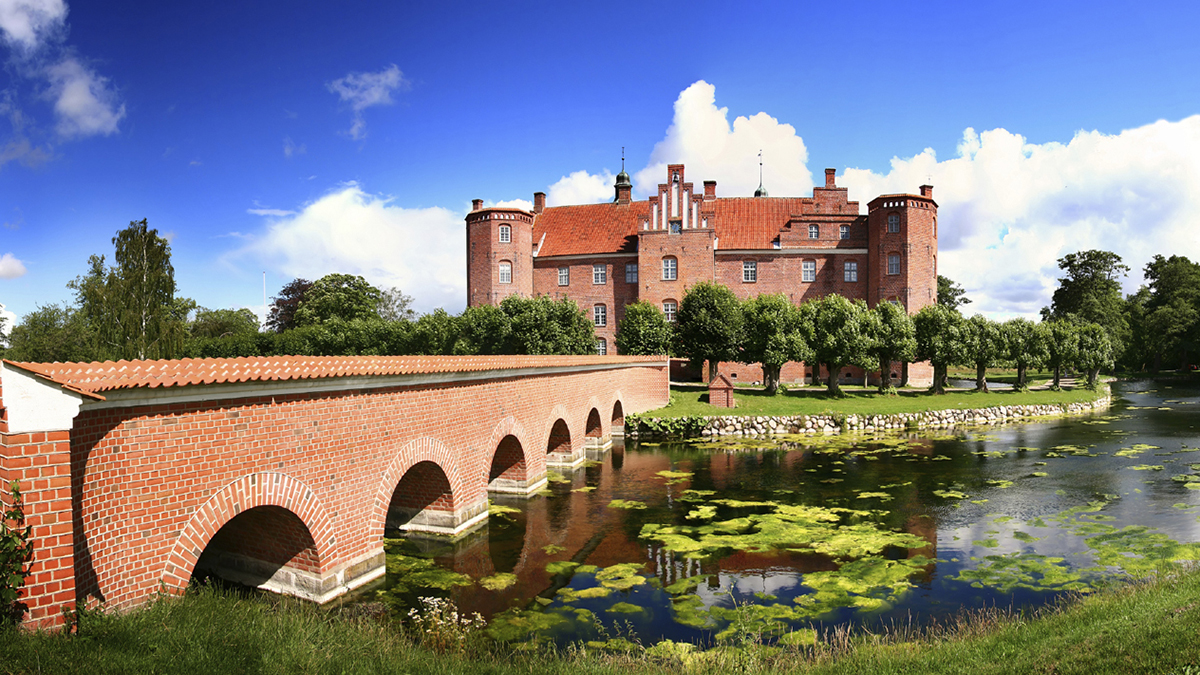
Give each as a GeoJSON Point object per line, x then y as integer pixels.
{"type": "Point", "coordinates": [981, 378]}
{"type": "Point", "coordinates": [771, 378]}
{"type": "Point", "coordinates": [1057, 377]}
{"type": "Point", "coordinates": [1092, 374]}
{"type": "Point", "coordinates": [1157, 362]}
{"type": "Point", "coordinates": [833, 388]}
{"type": "Point", "coordinates": [1021, 377]}
{"type": "Point", "coordinates": [904, 373]}
{"type": "Point", "coordinates": [939, 380]}
{"type": "Point", "coordinates": [885, 375]}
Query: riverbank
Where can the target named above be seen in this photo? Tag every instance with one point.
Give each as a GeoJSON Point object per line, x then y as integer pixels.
{"type": "Point", "coordinates": [1143, 627]}
{"type": "Point", "coordinates": [757, 414]}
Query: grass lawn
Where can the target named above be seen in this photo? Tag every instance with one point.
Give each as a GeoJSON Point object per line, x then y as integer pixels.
{"type": "Point", "coordinates": [1005, 375]}
{"type": "Point", "coordinates": [689, 400]}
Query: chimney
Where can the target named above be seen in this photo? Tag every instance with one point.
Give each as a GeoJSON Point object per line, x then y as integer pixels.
{"type": "Point", "coordinates": [927, 191]}
{"type": "Point", "coordinates": [710, 190]}
{"type": "Point", "coordinates": [539, 202]}
{"type": "Point", "coordinates": [830, 175]}
{"type": "Point", "coordinates": [476, 204]}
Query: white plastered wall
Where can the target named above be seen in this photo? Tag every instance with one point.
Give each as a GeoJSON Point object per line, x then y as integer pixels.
{"type": "Point", "coordinates": [35, 404]}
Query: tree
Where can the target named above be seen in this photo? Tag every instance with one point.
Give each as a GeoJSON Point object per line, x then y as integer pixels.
{"type": "Point", "coordinates": [1093, 351]}
{"type": "Point", "coordinates": [1172, 319]}
{"type": "Point", "coordinates": [394, 305]}
{"type": "Point", "coordinates": [1061, 347]}
{"type": "Point", "coordinates": [709, 326]}
{"type": "Point", "coordinates": [892, 337]}
{"type": "Point", "coordinates": [48, 334]}
{"type": "Point", "coordinates": [544, 326]}
{"type": "Point", "coordinates": [939, 341]}
{"type": "Point", "coordinates": [774, 335]}
{"type": "Point", "coordinates": [983, 346]}
{"type": "Point", "coordinates": [434, 334]}
{"type": "Point", "coordinates": [341, 296]}
{"type": "Point", "coordinates": [1091, 292]}
{"type": "Point", "coordinates": [643, 330]}
{"type": "Point", "coordinates": [1025, 344]}
{"type": "Point", "coordinates": [215, 323]}
{"type": "Point", "coordinates": [839, 336]}
{"type": "Point", "coordinates": [282, 315]}
{"type": "Point", "coordinates": [951, 294]}
{"type": "Point", "coordinates": [484, 329]}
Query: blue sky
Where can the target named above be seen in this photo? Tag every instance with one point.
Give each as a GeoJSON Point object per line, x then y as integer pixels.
{"type": "Point", "coordinates": [301, 138]}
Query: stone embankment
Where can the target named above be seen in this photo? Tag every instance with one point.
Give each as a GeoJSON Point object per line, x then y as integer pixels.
{"type": "Point", "coordinates": [771, 425]}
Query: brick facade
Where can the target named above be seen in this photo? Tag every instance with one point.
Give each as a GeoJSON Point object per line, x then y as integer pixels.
{"type": "Point", "coordinates": [290, 484]}
{"type": "Point", "coordinates": [805, 248]}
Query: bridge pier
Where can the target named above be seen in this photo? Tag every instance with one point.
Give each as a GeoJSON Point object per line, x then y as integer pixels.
{"type": "Point", "coordinates": [445, 522]}
{"type": "Point", "coordinates": [518, 486]}
{"type": "Point", "coordinates": [295, 581]}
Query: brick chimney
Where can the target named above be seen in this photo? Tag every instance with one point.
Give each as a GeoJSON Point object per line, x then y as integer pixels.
{"type": "Point", "coordinates": [927, 191]}
{"type": "Point", "coordinates": [830, 178]}
{"type": "Point", "coordinates": [476, 204]}
{"type": "Point", "coordinates": [539, 202]}
{"type": "Point", "coordinates": [710, 190]}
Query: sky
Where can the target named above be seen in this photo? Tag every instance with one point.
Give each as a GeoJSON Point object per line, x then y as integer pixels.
{"type": "Point", "coordinates": [297, 139]}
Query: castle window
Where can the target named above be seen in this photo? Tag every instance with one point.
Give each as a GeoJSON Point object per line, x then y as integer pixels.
{"type": "Point", "coordinates": [669, 308]}
{"type": "Point", "coordinates": [808, 270]}
{"type": "Point", "coordinates": [850, 271]}
{"type": "Point", "coordinates": [893, 222]}
{"type": "Point", "coordinates": [814, 231]}
{"type": "Point", "coordinates": [844, 232]}
{"type": "Point", "coordinates": [631, 273]}
{"type": "Point", "coordinates": [506, 273]}
{"type": "Point", "coordinates": [600, 316]}
{"type": "Point", "coordinates": [564, 276]}
{"type": "Point", "coordinates": [670, 269]}
{"type": "Point", "coordinates": [601, 347]}
{"type": "Point", "coordinates": [749, 271]}
{"type": "Point", "coordinates": [505, 234]}
{"type": "Point", "coordinates": [599, 273]}
{"type": "Point", "coordinates": [893, 263]}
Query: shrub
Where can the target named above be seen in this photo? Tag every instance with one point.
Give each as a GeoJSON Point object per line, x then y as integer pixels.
{"type": "Point", "coordinates": [15, 554]}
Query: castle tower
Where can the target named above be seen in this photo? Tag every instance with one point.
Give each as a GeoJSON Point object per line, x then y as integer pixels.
{"type": "Point", "coordinates": [676, 241]}
{"type": "Point", "coordinates": [500, 252]}
{"type": "Point", "coordinates": [902, 236]}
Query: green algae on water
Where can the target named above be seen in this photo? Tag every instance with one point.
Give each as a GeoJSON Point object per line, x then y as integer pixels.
{"type": "Point", "coordinates": [626, 504]}
{"type": "Point", "coordinates": [498, 581]}
{"type": "Point", "coordinates": [625, 608]}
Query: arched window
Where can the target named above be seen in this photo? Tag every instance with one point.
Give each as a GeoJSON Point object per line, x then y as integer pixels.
{"type": "Point", "coordinates": [670, 270]}
{"type": "Point", "coordinates": [505, 272]}
{"type": "Point", "coordinates": [505, 234]}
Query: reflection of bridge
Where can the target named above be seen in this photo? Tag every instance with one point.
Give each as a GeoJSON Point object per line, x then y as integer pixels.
{"type": "Point", "coordinates": [282, 472]}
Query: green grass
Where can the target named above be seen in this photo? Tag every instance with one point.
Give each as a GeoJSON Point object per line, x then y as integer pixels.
{"type": "Point", "coordinates": [1146, 627]}
{"type": "Point", "coordinates": [687, 400]}
{"type": "Point", "coordinates": [1006, 375]}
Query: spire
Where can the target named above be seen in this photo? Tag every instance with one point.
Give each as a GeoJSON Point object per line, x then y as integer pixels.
{"type": "Point", "coordinates": [761, 191]}
{"type": "Point", "coordinates": [624, 187]}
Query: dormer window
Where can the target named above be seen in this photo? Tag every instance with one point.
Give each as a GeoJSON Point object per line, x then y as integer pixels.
{"type": "Point", "coordinates": [505, 234]}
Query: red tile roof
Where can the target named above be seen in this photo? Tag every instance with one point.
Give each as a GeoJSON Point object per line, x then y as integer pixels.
{"type": "Point", "coordinates": [90, 378]}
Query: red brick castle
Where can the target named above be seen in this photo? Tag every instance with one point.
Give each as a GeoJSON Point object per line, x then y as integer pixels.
{"type": "Point", "coordinates": [605, 256]}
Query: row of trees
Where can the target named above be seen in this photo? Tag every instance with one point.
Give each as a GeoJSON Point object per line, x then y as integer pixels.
{"type": "Point", "coordinates": [713, 325]}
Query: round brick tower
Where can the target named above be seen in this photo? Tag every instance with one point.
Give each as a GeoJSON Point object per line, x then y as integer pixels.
{"type": "Point", "coordinates": [902, 240]}
{"type": "Point", "coordinates": [499, 252]}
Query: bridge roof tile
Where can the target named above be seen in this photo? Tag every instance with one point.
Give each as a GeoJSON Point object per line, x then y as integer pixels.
{"type": "Point", "coordinates": [92, 378]}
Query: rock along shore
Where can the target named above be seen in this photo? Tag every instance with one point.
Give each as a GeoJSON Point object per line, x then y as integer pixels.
{"type": "Point", "coordinates": [773, 425]}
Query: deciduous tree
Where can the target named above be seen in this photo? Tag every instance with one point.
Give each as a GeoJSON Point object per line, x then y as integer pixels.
{"type": "Point", "coordinates": [939, 340]}
{"type": "Point", "coordinates": [709, 326]}
{"type": "Point", "coordinates": [341, 296]}
{"type": "Point", "coordinates": [282, 315]}
{"type": "Point", "coordinates": [893, 337]}
{"type": "Point", "coordinates": [48, 334]}
{"type": "Point", "coordinates": [1025, 346]}
{"type": "Point", "coordinates": [1061, 347]}
{"type": "Point", "coordinates": [839, 336]}
{"type": "Point", "coordinates": [951, 294]}
{"type": "Point", "coordinates": [215, 323]}
{"type": "Point", "coordinates": [1093, 351]}
{"type": "Point", "coordinates": [774, 335]}
{"type": "Point", "coordinates": [643, 330]}
{"type": "Point", "coordinates": [983, 347]}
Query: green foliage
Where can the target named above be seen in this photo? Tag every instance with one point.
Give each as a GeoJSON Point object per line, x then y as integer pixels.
{"type": "Point", "coordinates": [1169, 320]}
{"type": "Point", "coordinates": [484, 329]}
{"type": "Point", "coordinates": [283, 306]}
{"type": "Point", "coordinates": [1026, 346]}
{"type": "Point", "coordinates": [338, 296]}
{"type": "Point", "coordinates": [668, 427]}
{"type": "Point", "coordinates": [212, 323]}
{"type": "Point", "coordinates": [939, 340]}
{"type": "Point", "coordinates": [1091, 292]}
{"type": "Point", "coordinates": [709, 325]}
{"type": "Point", "coordinates": [1094, 351]}
{"type": "Point", "coordinates": [644, 330]}
{"type": "Point", "coordinates": [1061, 347]}
{"type": "Point", "coordinates": [16, 553]}
{"type": "Point", "coordinates": [775, 333]}
{"type": "Point", "coordinates": [892, 337]}
{"type": "Point", "coordinates": [48, 334]}
{"type": "Point", "coordinates": [544, 326]}
{"type": "Point", "coordinates": [951, 294]}
{"type": "Point", "coordinates": [395, 305]}
{"type": "Point", "coordinates": [983, 346]}
{"type": "Point", "coordinates": [434, 333]}
{"type": "Point", "coordinates": [839, 335]}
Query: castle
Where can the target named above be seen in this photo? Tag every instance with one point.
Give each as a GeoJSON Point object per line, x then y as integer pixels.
{"type": "Point", "coordinates": [605, 256]}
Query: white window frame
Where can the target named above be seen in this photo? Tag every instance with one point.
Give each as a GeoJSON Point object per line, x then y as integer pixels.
{"type": "Point", "coordinates": [599, 274]}
{"type": "Point", "coordinates": [600, 316]}
{"type": "Point", "coordinates": [850, 270]}
{"type": "Point", "coordinates": [814, 231]}
{"type": "Point", "coordinates": [505, 273]}
{"type": "Point", "coordinates": [808, 271]}
{"type": "Point", "coordinates": [749, 271]}
{"type": "Point", "coordinates": [631, 273]}
{"type": "Point", "coordinates": [843, 231]}
{"type": "Point", "coordinates": [670, 268]}
{"type": "Point", "coordinates": [893, 261]}
{"type": "Point", "coordinates": [601, 347]}
{"type": "Point", "coordinates": [670, 308]}
{"type": "Point", "coordinates": [564, 276]}
{"type": "Point", "coordinates": [893, 223]}
{"type": "Point", "coordinates": [505, 234]}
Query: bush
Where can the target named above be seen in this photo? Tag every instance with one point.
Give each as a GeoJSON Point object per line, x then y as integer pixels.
{"type": "Point", "coordinates": [15, 554]}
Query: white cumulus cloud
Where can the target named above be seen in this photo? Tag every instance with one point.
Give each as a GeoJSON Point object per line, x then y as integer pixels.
{"type": "Point", "coordinates": [350, 231]}
{"type": "Point", "coordinates": [26, 24]}
{"type": "Point", "coordinates": [10, 267]}
{"type": "Point", "coordinates": [1008, 209]}
{"type": "Point", "coordinates": [581, 187]}
{"type": "Point", "coordinates": [84, 101]}
{"type": "Point", "coordinates": [364, 90]}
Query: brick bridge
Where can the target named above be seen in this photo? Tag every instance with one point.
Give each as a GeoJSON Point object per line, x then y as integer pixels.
{"type": "Point", "coordinates": [284, 472]}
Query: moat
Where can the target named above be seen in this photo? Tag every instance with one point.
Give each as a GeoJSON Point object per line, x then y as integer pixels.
{"type": "Point", "coordinates": [707, 541]}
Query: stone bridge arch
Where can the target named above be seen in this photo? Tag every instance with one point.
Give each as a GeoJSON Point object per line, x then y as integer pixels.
{"type": "Point", "coordinates": [616, 425]}
{"type": "Point", "coordinates": [596, 435]}
{"type": "Point", "coordinates": [467, 504]}
{"type": "Point", "coordinates": [268, 491]}
{"type": "Point", "coordinates": [528, 477]}
{"type": "Point", "coordinates": [563, 452]}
